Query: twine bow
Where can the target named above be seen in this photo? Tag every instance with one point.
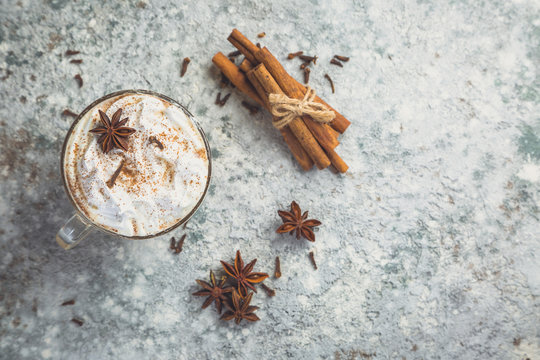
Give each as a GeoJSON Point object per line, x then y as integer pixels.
{"type": "Point", "coordinates": [286, 109]}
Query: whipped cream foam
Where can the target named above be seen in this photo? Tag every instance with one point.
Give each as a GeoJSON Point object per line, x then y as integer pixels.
{"type": "Point", "coordinates": [156, 187]}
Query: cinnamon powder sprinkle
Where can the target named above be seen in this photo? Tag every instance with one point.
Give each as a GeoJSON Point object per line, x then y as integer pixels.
{"type": "Point", "coordinates": [68, 112]}
{"type": "Point", "coordinates": [277, 272]}
{"type": "Point", "coordinates": [76, 61]}
{"type": "Point", "coordinates": [79, 80]}
{"type": "Point", "coordinates": [342, 58]}
{"type": "Point", "coordinates": [261, 35]}
{"type": "Point", "coordinates": [270, 292]}
{"type": "Point", "coordinates": [77, 321]}
{"type": "Point", "coordinates": [312, 258]}
{"type": "Point", "coordinates": [185, 64]}
{"type": "Point", "coordinates": [295, 54]}
{"type": "Point", "coordinates": [331, 82]}
{"type": "Point", "coordinates": [71, 52]}
{"type": "Point", "coordinates": [111, 181]}
{"type": "Point", "coordinates": [69, 302]}
{"type": "Point", "coordinates": [253, 109]}
{"type": "Point", "coordinates": [336, 62]}
{"type": "Point", "coordinates": [153, 140]}
{"type": "Point", "coordinates": [306, 75]}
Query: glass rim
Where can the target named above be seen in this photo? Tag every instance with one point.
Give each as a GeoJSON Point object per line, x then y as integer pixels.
{"type": "Point", "coordinates": [163, 97]}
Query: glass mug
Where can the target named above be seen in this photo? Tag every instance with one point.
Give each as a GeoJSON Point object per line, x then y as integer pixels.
{"type": "Point", "coordinates": [79, 225]}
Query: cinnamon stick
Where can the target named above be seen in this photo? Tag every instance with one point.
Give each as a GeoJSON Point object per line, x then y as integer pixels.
{"type": "Point", "coordinates": [337, 162]}
{"type": "Point", "coordinates": [324, 134]}
{"type": "Point", "coordinates": [248, 49]}
{"type": "Point", "coordinates": [267, 83]}
{"type": "Point", "coordinates": [245, 65]}
{"type": "Point", "coordinates": [289, 86]}
{"type": "Point", "coordinates": [301, 156]}
{"type": "Point", "coordinates": [242, 43]}
{"type": "Point", "coordinates": [340, 122]}
{"type": "Point", "coordinates": [239, 80]}
{"type": "Point", "coordinates": [298, 151]}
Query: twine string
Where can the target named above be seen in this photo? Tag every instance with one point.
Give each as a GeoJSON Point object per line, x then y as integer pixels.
{"type": "Point", "coordinates": [286, 109]}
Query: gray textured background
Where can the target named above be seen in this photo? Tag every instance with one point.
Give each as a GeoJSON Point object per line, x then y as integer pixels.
{"type": "Point", "coordinates": [430, 243]}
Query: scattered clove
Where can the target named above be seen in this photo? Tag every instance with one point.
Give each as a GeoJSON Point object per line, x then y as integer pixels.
{"type": "Point", "coordinates": [277, 271]}
{"type": "Point", "coordinates": [336, 62]}
{"type": "Point", "coordinates": [270, 292]}
{"type": "Point", "coordinates": [76, 61]}
{"type": "Point", "coordinates": [177, 247]}
{"type": "Point", "coordinates": [224, 100]}
{"type": "Point", "coordinates": [224, 81]}
{"type": "Point", "coordinates": [308, 58]}
{"type": "Point", "coordinates": [69, 302]}
{"type": "Point", "coordinates": [306, 75]}
{"type": "Point", "coordinates": [185, 64]}
{"type": "Point", "coordinates": [180, 245]}
{"type": "Point", "coordinates": [253, 109]}
{"type": "Point", "coordinates": [342, 58]}
{"type": "Point", "coordinates": [79, 80]}
{"type": "Point", "coordinates": [71, 52]}
{"type": "Point", "coordinates": [68, 112]}
{"type": "Point", "coordinates": [233, 54]}
{"type": "Point", "coordinates": [218, 99]}
{"type": "Point", "coordinates": [331, 82]}
{"type": "Point", "coordinates": [312, 258]}
{"type": "Point", "coordinates": [77, 321]}
{"type": "Point", "coordinates": [293, 55]}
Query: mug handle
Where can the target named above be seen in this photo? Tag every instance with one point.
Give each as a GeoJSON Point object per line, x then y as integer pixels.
{"type": "Point", "coordinates": [74, 230]}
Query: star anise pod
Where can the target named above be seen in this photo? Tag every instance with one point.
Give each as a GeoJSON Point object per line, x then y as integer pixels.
{"type": "Point", "coordinates": [113, 132]}
{"type": "Point", "coordinates": [215, 291]}
{"type": "Point", "coordinates": [295, 221]}
{"type": "Point", "coordinates": [239, 309]}
{"type": "Point", "coordinates": [243, 275]}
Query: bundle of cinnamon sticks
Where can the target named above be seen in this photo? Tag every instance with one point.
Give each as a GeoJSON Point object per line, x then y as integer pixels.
{"type": "Point", "coordinates": [261, 74]}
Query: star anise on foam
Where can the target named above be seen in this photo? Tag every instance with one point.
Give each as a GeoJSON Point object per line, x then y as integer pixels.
{"type": "Point", "coordinates": [215, 291]}
{"type": "Point", "coordinates": [239, 309]}
{"type": "Point", "coordinates": [113, 132]}
{"type": "Point", "coordinates": [243, 274]}
{"type": "Point", "coordinates": [295, 221]}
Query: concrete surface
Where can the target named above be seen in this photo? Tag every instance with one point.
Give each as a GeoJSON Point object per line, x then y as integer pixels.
{"type": "Point", "coordinates": [429, 247]}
